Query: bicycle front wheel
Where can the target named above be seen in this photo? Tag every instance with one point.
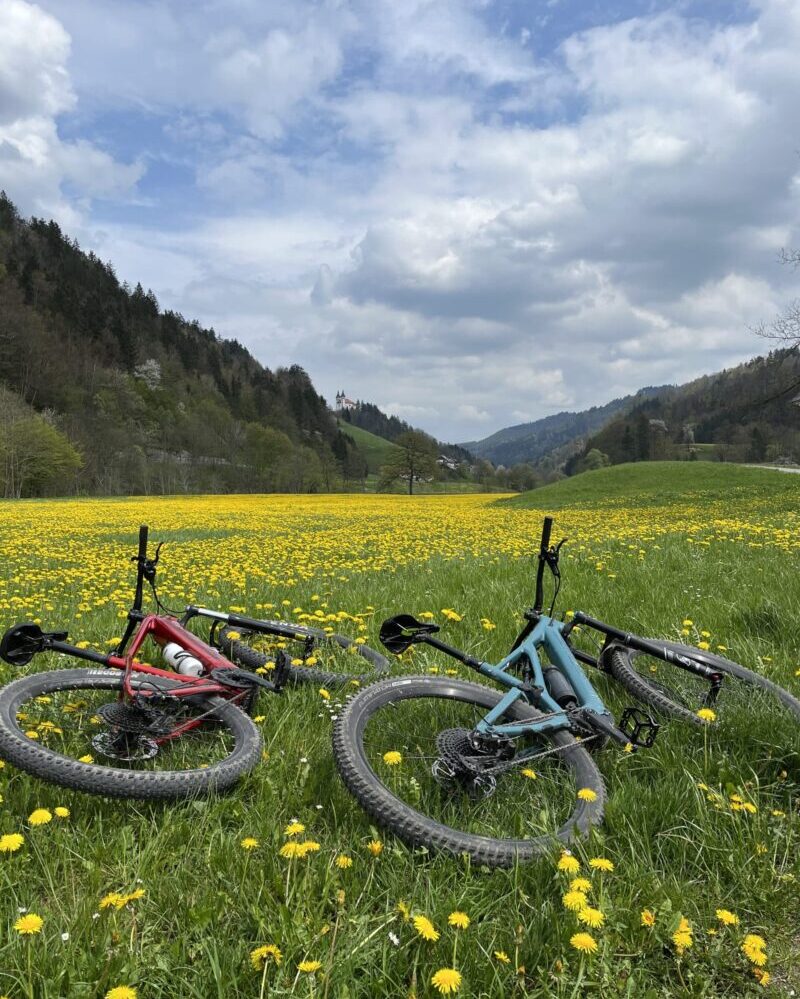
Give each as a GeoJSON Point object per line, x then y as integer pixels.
{"type": "Point", "coordinates": [405, 749]}
{"type": "Point", "coordinates": [674, 692]}
{"type": "Point", "coordinates": [71, 728]}
{"type": "Point", "coordinates": [317, 657]}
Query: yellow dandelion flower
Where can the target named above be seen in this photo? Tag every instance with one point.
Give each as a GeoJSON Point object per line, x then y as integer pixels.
{"type": "Point", "coordinates": [249, 843]}
{"type": "Point", "coordinates": [40, 817]}
{"type": "Point", "coordinates": [61, 812]}
{"type": "Point", "coordinates": [574, 901]}
{"type": "Point", "coordinates": [568, 863]}
{"type": "Point", "coordinates": [502, 957]}
{"type": "Point", "coordinates": [403, 909]}
{"type": "Point", "coordinates": [527, 772]}
{"type": "Point", "coordinates": [113, 898]}
{"type": "Point", "coordinates": [707, 715]}
{"type": "Point", "coordinates": [343, 862]}
{"type": "Point", "coordinates": [754, 949]}
{"type": "Point", "coordinates": [580, 884]}
{"type": "Point", "coordinates": [458, 919]}
{"type": "Point", "coordinates": [86, 759]}
{"type": "Point", "coordinates": [425, 928]}
{"type": "Point", "coordinates": [682, 937]}
{"type": "Point", "coordinates": [261, 955]}
{"type": "Point", "coordinates": [393, 758]}
{"type": "Point", "coordinates": [294, 828]}
{"type": "Point", "coordinates": [121, 992]}
{"type": "Point", "coordinates": [591, 917]}
{"type": "Point", "coordinates": [11, 842]}
{"type": "Point", "coordinates": [446, 981]}
{"type": "Point", "coordinates": [727, 917]}
{"type": "Point", "coordinates": [762, 977]}
{"type": "Point", "coordinates": [324, 694]}
{"type": "Point", "coordinates": [648, 918]}
{"type": "Point", "coordinates": [601, 864]}
{"type": "Point", "coordinates": [587, 794]}
{"type": "Point", "coordinates": [29, 924]}
{"type": "Point", "coordinates": [584, 942]}
{"type": "Point", "coordinates": [309, 967]}
{"type": "Point", "coordinates": [375, 847]}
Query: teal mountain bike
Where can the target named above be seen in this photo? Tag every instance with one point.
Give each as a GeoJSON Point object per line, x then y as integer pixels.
{"type": "Point", "coordinates": [505, 774]}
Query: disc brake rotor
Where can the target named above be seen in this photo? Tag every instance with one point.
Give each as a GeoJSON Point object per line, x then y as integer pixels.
{"type": "Point", "coordinates": [125, 746]}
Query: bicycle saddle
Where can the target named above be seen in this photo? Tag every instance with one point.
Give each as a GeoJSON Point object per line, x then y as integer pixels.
{"type": "Point", "coordinates": [22, 642]}
{"type": "Point", "coordinates": [397, 633]}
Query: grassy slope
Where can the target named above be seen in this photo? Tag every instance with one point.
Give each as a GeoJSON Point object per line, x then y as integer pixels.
{"type": "Point", "coordinates": [661, 483]}
{"type": "Point", "coordinates": [375, 449]}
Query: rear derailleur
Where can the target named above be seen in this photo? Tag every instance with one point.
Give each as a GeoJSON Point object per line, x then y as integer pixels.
{"type": "Point", "coordinates": [467, 760]}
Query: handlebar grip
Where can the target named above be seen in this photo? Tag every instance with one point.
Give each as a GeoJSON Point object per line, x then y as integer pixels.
{"type": "Point", "coordinates": [143, 541]}
{"type": "Point", "coordinates": [546, 529]}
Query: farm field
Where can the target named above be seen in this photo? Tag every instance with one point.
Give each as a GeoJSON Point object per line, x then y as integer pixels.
{"type": "Point", "coordinates": [699, 552]}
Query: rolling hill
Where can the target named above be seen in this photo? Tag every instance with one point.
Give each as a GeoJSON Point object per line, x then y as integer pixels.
{"type": "Point", "coordinates": [661, 483]}
{"type": "Point", "coordinates": [376, 450]}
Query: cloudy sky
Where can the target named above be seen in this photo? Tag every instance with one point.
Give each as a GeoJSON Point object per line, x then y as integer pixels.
{"type": "Point", "coordinates": [472, 213]}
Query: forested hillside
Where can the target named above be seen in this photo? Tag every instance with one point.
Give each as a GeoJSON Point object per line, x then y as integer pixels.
{"type": "Point", "coordinates": [530, 442]}
{"type": "Point", "coordinates": [368, 416]}
{"type": "Point", "coordinates": [748, 414]}
{"type": "Point", "coordinates": [102, 392]}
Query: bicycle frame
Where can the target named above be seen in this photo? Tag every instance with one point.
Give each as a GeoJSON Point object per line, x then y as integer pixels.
{"type": "Point", "coordinates": [546, 634]}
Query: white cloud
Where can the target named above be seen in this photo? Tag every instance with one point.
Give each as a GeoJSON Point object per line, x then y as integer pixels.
{"type": "Point", "coordinates": [35, 88]}
{"type": "Point", "coordinates": [401, 198]}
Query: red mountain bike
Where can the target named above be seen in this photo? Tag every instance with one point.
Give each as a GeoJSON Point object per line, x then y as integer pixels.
{"type": "Point", "coordinates": [169, 732]}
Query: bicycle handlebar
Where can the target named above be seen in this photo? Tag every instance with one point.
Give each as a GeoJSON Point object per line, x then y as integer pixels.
{"type": "Point", "coordinates": [544, 545]}
{"type": "Point", "coordinates": [142, 557]}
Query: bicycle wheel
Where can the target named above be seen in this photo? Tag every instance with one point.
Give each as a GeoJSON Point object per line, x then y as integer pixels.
{"type": "Point", "coordinates": [69, 727]}
{"type": "Point", "coordinates": [676, 693]}
{"type": "Point", "coordinates": [515, 803]}
{"type": "Point", "coordinates": [319, 658]}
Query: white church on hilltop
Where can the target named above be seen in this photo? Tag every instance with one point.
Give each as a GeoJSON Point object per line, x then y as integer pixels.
{"type": "Point", "coordinates": [342, 402]}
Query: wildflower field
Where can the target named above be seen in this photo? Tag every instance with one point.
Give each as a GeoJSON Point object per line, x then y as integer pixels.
{"type": "Point", "coordinates": [691, 887]}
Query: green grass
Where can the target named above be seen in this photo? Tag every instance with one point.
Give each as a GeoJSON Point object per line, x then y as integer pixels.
{"type": "Point", "coordinates": [376, 450]}
{"type": "Point", "coordinates": [208, 902]}
{"type": "Point", "coordinates": [662, 483]}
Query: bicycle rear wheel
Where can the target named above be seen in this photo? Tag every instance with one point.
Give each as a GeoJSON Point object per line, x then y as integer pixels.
{"type": "Point", "coordinates": [69, 727]}
{"type": "Point", "coordinates": [402, 747]}
{"type": "Point", "coordinates": [317, 657]}
{"type": "Point", "coordinates": [677, 693]}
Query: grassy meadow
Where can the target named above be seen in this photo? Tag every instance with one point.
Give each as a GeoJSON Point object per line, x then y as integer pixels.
{"type": "Point", "coordinates": [165, 901]}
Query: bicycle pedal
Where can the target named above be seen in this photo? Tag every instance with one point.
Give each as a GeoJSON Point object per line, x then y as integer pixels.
{"type": "Point", "coordinates": [639, 727]}
{"type": "Point", "coordinates": [281, 672]}
{"type": "Point", "coordinates": [240, 679]}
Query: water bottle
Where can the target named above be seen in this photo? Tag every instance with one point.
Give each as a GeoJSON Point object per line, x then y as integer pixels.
{"type": "Point", "coordinates": [181, 660]}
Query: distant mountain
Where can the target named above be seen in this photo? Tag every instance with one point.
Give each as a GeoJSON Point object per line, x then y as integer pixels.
{"type": "Point", "coordinates": [530, 442]}
{"type": "Point", "coordinates": [748, 413]}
